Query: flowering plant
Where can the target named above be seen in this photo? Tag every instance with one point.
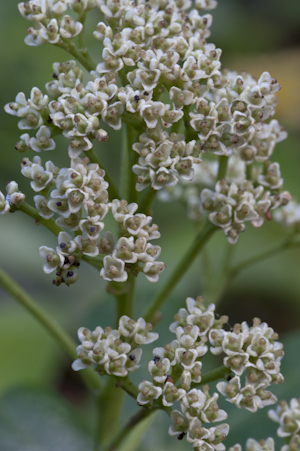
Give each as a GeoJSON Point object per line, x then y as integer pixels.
{"type": "Point", "coordinates": [194, 133]}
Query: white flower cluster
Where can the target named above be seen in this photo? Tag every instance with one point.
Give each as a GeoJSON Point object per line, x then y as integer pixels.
{"type": "Point", "coordinates": [114, 352]}
{"type": "Point", "coordinates": [231, 205]}
{"type": "Point", "coordinates": [14, 197]}
{"type": "Point", "coordinates": [205, 175]}
{"type": "Point", "coordinates": [253, 352]}
{"type": "Point", "coordinates": [234, 200]}
{"type": "Point", "coordinates": [181, 361]}
{"type": "Point", "coordinates": [79, 196]}
{"type": "Point", "coordinates": [50, 24]}
{"type": "Point", "coordinates": [154, 48]}
{"type": "Point", "coordinates": [289, 216]}
{"type": "Point", "coordinates": [254, 445]}
{"type": "Point", "coordinates": [288, 417]}
{"type": "Point", "coordinates": [74, 112]}
{"type": "Point", "coordinates": [176, 371]}
{"type": "Point", "coordinates": [163, 158]}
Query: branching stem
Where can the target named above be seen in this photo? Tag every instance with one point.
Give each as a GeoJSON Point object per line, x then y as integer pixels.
{"type": "Point", "coordinates": [147, 201]}
{"type": "Point", "coordinates": [50, 324]}
{"type": "Point", "coordinates": [133, 421]}
{"type": "Point", "coordinates": [219, 373]}
{"type": "Point", "coordinates": [223, 161]}
{"type": "Point", "coordinates": [48, 223]}
{"type": "Point", "coordinates": [70, 47]}
{"type": "Point", "coordinates": [235, 270]}
{"type": "Point", "coordinates": [182, 267]}
{"type": "Point", "coordinates": [54, 228]}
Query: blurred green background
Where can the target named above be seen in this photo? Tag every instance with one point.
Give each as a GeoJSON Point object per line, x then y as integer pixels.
{"type": "Point", "coordinates": [36, 384]}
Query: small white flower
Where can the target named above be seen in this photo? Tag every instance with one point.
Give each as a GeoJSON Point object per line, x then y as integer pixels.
{"type": "Point", "coordinates": [34, 10]}
{"type": "Point", "coordinates": [124, 250]}
{"type": "Point", "coordinates": [192, 403]}
{"type": "Point", "coordinates": [31, 119]}
{"type": "Point", "coordinates": [152, 270]}
{"type": "Point", "coordinates": [116, 366]}
{"type": "Point", "coordinates": [4, 204]}
{"type": "Point", "coordinates": [127, 326]}
{"type": "Point", "coordinates": [66, 245]}
{"type": "Point", "coordinates": [43, 140]}
{"type": "Point", "coordinates": [69, 28]}
{"type": "Point", "coordinates": [53, 259]}
{"type": "Point", "coordinates": [172, 394]}
{"type": "Point", "coordinates": [120, 209]}
{"type": "Point", "coordinates": [113, 269]}
{"type": "Point", "coordinates": [87, 246]}
{"type": "Point", "coordinates": [159, 370]}
{"type": "Point", "coordinates": [50, 33]}
{"type": "Point", "coordinates": [148, 392]}
{"type": "Point", "coordinates": [211, 412]}
{"type": "Point", "coordinates": [133, 360]}
{"type": "Point", "coordinates": [144, 334]}
{"type": "Point", "coordinates": [179, 424]}
{"type": "Point", "coordinates": [58, 7]}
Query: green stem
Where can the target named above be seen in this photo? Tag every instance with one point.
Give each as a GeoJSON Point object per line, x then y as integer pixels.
{"type": "Point", "coordinates": [81, 42]}
{"type": "Point", "coordinates": [180, 270]}
{"type": "Point", "coordinates": [55, 229]}
{"type": "Point", "coordinates": [126, 299]}
{"type": "Point", "coordinates": [50, 324]}
{"type": "Point", "coordinates": [133, 421]}
{"type": "Point", "coordinates": [230, 274]}
{"type": "Point", "coordinates": [214, 375]}
{"type": "Point", "coordinates": [48, 223]}
{"type": "Point", "coordinates": [215, 290]}
{"type": "Point", "coordinates": [190, 133]}
{"type": "Point", "coordinates": [235, 270]}
{"type": "Point", "coordinates": [94, 261]}
{"type": "Point", "coordinates": [110, 407]}
{"type": "Point", "coordinates": [223, 161]}
{"type": "Point", "coordinates": [133, 194]}
{"type": "Point", "coordinates": [128, 386]}
{"type": "Point", "coordinates": [249, 171]}
{"type": "Point", "coordinates": [147, 201]}
{"type": "Point", "coordinates": [70, 47]}
{"type": "Point", "coordinates": [113, 193]}
{"type": "Point", "coordinates": [176, 126]}
{"type": "Point", "coordinates": [134, 120]}
{"type": "Point", "coordinates": [126, 169]}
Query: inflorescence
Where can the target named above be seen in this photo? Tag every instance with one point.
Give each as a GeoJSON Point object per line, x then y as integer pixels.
{"type": "Point", "coordinates": [158, 74]}
{"type": "Point", "coordinates": [252, 358]}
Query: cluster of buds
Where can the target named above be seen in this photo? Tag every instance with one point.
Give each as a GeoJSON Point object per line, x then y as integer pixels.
{"type": "Point", "coordinates": [176, 370]}
{"type": "Point", "coordinates": [288, 417]}
{"type": "Point", "coordinates": [13, 198]}
{"type": "Point", "coordinates": [50, 25]}
{"type": "Point", "coordinates": [254, 445]}
{"type": "Point", "coordinates": [113, 352]}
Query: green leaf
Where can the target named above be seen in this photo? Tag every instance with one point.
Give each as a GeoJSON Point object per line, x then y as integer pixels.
{"type": "Point", "coordinates": [29, 354]}
{"type": "Point", "coordinates": [37, 420]}
{"type": "Point", "coordinates": [133, 440]}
